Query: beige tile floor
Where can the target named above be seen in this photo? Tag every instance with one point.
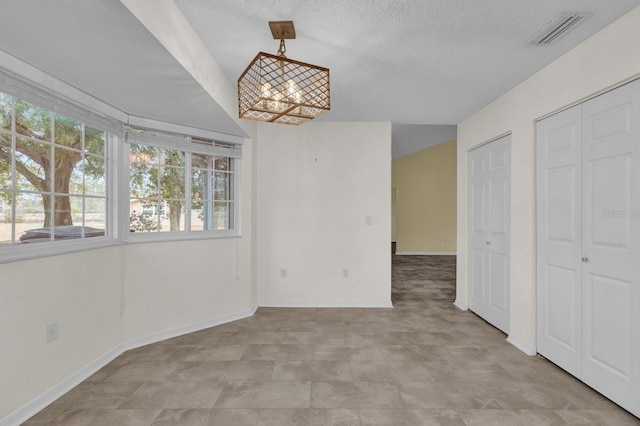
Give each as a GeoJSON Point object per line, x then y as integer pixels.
{"type": "Point", "coordinates": [422, 363]}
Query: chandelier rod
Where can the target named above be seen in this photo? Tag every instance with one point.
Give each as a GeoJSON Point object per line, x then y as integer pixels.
{"type": "Point", "coordinates": [282, 48]}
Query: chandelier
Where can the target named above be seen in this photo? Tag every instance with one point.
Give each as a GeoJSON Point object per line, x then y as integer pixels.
{"type": "Point", "coordinates": [276, 89]}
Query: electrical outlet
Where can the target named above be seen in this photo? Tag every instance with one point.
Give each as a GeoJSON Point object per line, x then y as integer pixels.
{"type": "Point", "coordinates": [345, 273]}
{"type": "Point", "coordinates": [283, 273]}
{"type": "Point", "coordinates": [368, 220]}
{"type": "Point", "coordinates": [52, 332]}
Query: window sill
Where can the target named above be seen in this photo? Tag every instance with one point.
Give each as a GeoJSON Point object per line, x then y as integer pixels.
{"type": "Point", "coordinates": [18, 252]}
{"type": "Point", "coordinates": [148, 237]}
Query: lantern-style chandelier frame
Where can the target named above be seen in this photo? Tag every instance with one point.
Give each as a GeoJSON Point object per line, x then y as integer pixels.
{"type": "Point", "coordinates": [276, 89]}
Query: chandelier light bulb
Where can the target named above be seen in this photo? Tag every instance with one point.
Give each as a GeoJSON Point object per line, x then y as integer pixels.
{"type": "Point", "coordinates": [266, 95]}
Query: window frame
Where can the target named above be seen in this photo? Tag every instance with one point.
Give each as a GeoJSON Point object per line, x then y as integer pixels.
{"type": "Point", "coordinates": [21, 251]}
{"type": "Point", "coordinates": [23, 81]}
{"type": "Point", "coordinates": [189, 145]}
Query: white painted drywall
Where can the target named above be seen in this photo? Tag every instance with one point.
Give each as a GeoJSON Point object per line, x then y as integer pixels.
{"type": "Point", "coordinates": [171, 285]}
{"type": "Point", "coordinates": [104, 300]}
{"type": "Point", "coordinates": [168, 25]}
{"type": "Point", "coordinates": [109, 299]}
{"type": "Point", "coordinates": [82, 292]}
{"type": "Point", "coordinates": [174, 284]}
{"type": "Point", "coordinates": [606, 59]}
{"type": "Point", "coordinates": [317, 184]}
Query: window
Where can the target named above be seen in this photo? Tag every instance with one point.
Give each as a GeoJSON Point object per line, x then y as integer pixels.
{"type": "Point", "coordinates": [53, 175]}
{"type": "Point", "coordinates": [211, 192]}
{"type": "Point", "coordinates": [66, 160]}
{"type": "Point", "coordinates": [180, 188]}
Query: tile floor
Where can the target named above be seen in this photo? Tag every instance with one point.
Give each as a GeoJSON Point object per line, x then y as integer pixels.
{"type": "Point", "coordinates": [422, 363]}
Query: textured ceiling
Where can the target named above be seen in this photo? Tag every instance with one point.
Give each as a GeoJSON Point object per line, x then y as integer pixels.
{"type": "Point", "coordinates": [422, 62]}
{"type": "Point", "coordinates": [406, 61]}
{"type": "Point", "coordinates": [409, 138]}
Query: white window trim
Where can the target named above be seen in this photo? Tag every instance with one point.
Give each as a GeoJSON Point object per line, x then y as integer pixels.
{"type": "Point", "coordinates": [186, 235]}
{"type": "Point", "coordinates": [35, 250]}
{"type": "Point", "coordinates": [148, 237]}
{"type": "Point", "coordinates": [19, 252]}
{"type": "Point", "coordinates": [148, 123]}
{"type": "Point", "coordinates": [68, 99]}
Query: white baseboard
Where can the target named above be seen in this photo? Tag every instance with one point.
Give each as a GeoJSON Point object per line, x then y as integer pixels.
{"type": "Point", "coordinates": [527, 349]}
{"type": "Point", "coordinates": [426, 253]}
{"type": "Point", "coordinates": [460, 305]}
{"type": "Point", "coordinates": [323, 304]}
{"type": "Point", "coordinates": [191, 328]}
{"type": "Point", "coordinates": [31, 408]}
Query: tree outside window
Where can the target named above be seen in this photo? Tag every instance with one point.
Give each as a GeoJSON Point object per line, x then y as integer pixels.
{"type": "Point", "coordinates": [173, 190]}
{"type": "Point", "coordinates": [52, 175]}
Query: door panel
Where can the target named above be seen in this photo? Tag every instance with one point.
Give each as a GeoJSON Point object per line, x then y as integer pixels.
{"type": "Point", "coordinates": [499, 283]}
{"type": "Point", "coordinates": [559, 238]}
{"type": "Point", "coordinates": [588, 238]}
{"type": "Point", "coordinates": [500, 209]}
{"type": "Point", "coordinates": [609, 340]}
{"type": "Point", "coordinates": [610, 200]}
{"type": "Point", "coordinates": [478, 203]}
{"type": "Point", "coordinates": [561, 211]}
{"type": "Point", "coordinates": [560, 312]}
{"type": "Point", "coordinates": [611, 241]}
{"type": "Point", "coordinates": [478, 264]}
{"type": "Point", "coordinates": [489, 231]}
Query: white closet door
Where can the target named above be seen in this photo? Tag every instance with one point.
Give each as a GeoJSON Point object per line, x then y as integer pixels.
{"type": "Point", "coordinates": [559, 140]}
{"type": "Point", "coordinates": [489, 171]}
{"type": "Point", "coordinates": [588, 237]}
{"type": "Point", "coordinates": [611, 240]}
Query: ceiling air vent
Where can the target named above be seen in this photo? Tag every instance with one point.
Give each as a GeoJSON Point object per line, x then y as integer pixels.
{"type": "Point", "coordinates": [558, 27]}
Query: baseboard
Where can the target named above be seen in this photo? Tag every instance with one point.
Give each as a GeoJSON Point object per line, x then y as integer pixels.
{"type": "Point", "coordinates": [323, 304]}
{"type": "Point", "coordinates": [191, 328]}
{"type": "Point", "coordinates": [40, 402]}
{"type": "Point", "coordinates": [529, 350]}
{"type": "Point", "coordinates": [425, 253]}
{"type": "Point", "coordinates": [460, 305]}
{"type": "Point", "coordinates": [34, 406]}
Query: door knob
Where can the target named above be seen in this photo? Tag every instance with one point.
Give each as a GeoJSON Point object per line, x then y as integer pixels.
{"type": "Point", "coordinates": [585, 259]}
{"type": "Point", "coordinates": [488, 242]}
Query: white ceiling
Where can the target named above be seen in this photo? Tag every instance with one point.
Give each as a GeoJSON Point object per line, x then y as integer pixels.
{"type": "Point", "coordinates": [406, 61]}
{"type": "Point", "coordinates": [409, 138]}
{"type": "Point", "coordinates": [99, 47]}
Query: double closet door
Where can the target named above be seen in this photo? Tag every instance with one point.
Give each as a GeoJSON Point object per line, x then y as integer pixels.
{"type": "Point", "coordinates": [588, 242]}
{"type": "Point", "coordinates": [489, 219]}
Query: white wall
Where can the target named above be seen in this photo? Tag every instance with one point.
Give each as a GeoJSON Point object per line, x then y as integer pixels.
{"type": "Point", "coordinates": [106, 301]}
{"type": "Point", "coordinates": [175, 284]}
{"type": "Point", "coordinates": [317, 184]}
{"type": "Point", "coordinates": [82, 292]}
{"type": "Point", "coordinates": [109, 300]}
{"type": "Point", "coordinates": [609, 57]}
